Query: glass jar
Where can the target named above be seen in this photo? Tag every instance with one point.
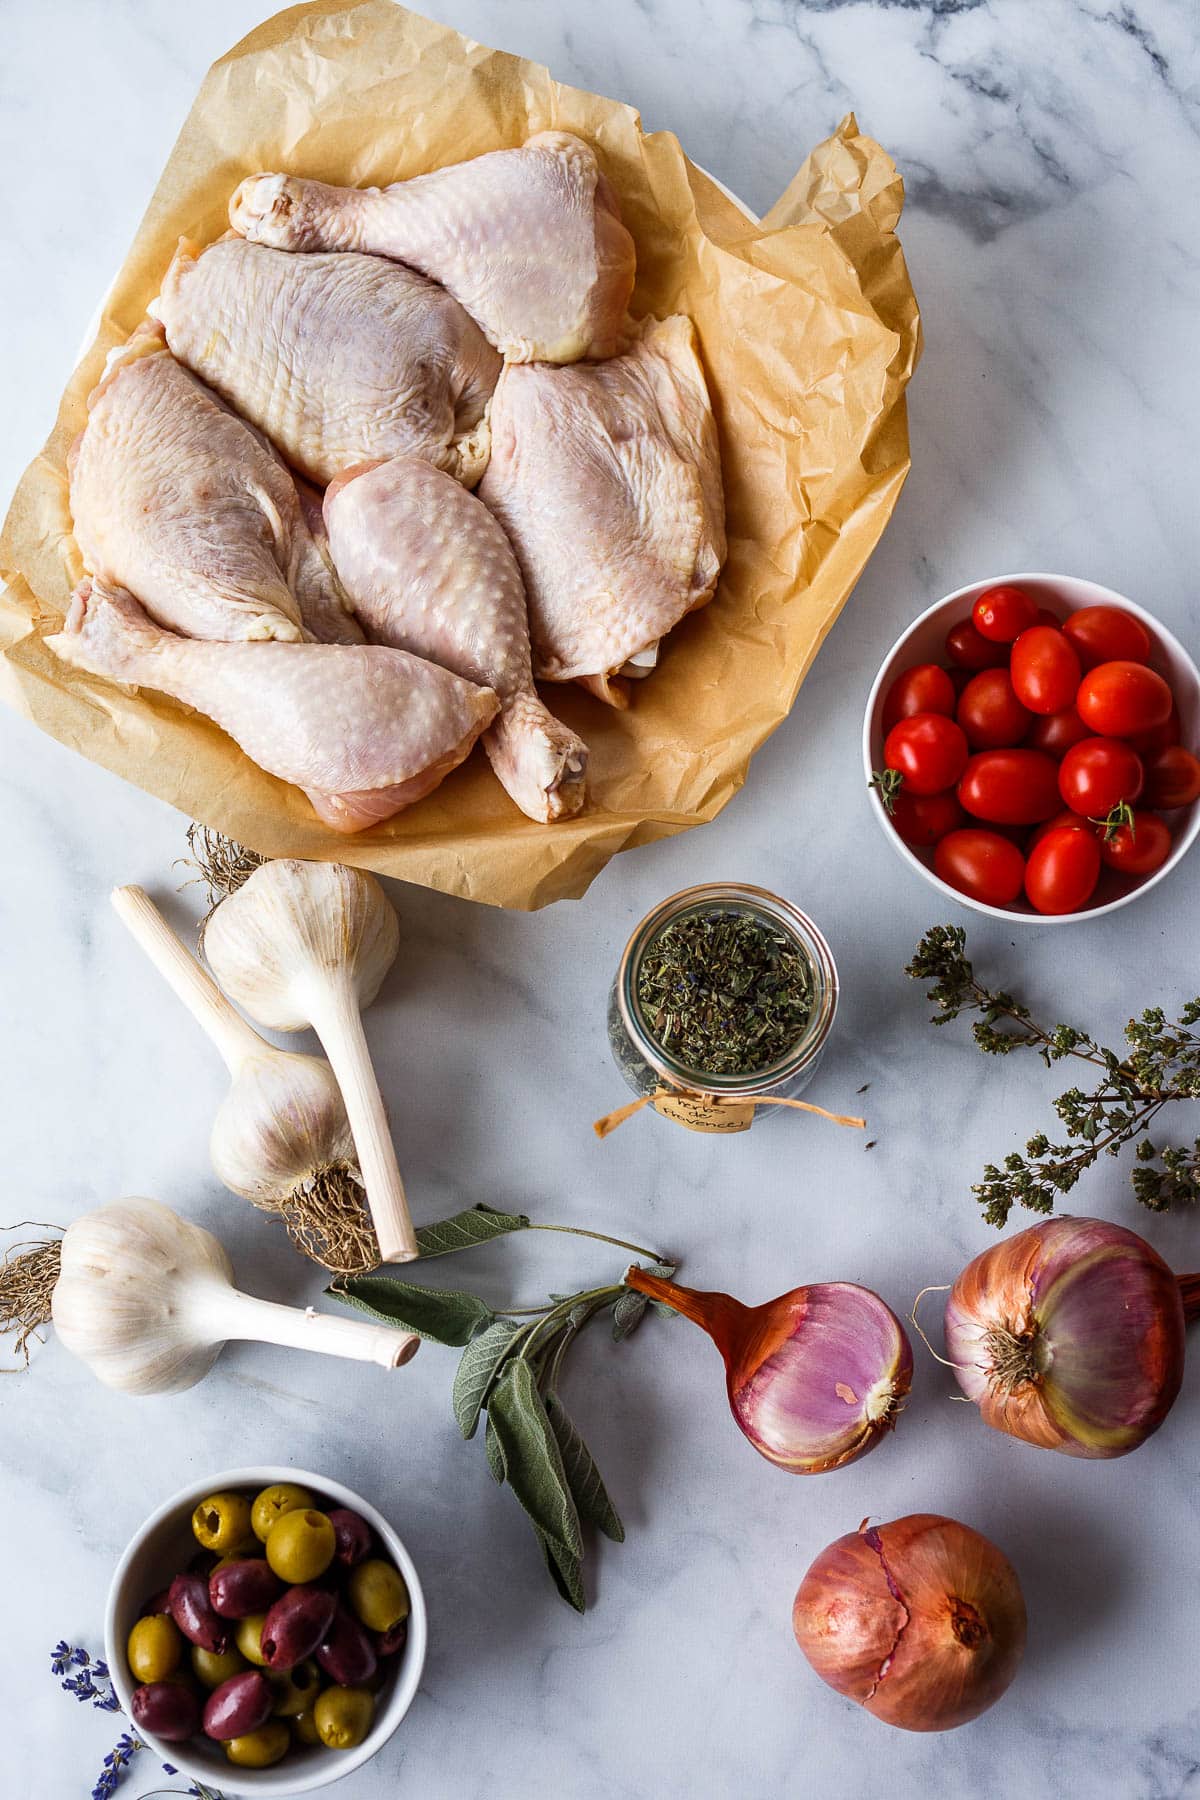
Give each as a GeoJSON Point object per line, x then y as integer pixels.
{"type": "Point", "coordinates": [701, 1101]}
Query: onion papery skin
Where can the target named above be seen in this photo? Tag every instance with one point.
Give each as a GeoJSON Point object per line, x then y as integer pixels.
{"type": "Point", "coordinates": [815, 1378]}
{"type": "Point", "coordinates": [922, 1621]}
{"type": "Point", "coordinates": [1069, 1335]}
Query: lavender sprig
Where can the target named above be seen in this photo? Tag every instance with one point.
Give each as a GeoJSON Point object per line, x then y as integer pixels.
{"type": "Point", "coordinates": [92, 1682]}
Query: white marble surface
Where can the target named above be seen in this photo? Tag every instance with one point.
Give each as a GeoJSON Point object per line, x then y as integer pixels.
{"type": "Point", "coordinates": [1052, 157]}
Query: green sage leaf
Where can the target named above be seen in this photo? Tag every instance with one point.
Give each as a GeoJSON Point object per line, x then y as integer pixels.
{"type": "Point", "coordinates": [435, 1313]}
{"type": "Point", "coordinates": [477, 1225]}
{"type": "Point", "coordinates": [629, 1308]}
{"type": "Point", "coordinates": [532, 1460]}
{"type": "Point", "coordinates": [477, 1369]}
{"type": "Point", "coordinates": [566, 1572]}
{"type": "Point", "coordinates": [583, 1477]}
{"type": "Point", "coordinates": [495, 1455]}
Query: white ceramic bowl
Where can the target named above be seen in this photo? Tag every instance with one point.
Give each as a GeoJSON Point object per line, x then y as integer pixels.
{"type": "Point", "coordinates": [924, 641]}
{"type": "Point", "coordinates": [164, 1545]}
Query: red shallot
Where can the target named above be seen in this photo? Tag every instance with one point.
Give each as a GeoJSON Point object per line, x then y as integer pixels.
{"type": "Point", "coordinates": [921, 1621]}
{"type": "Point", "coordinates": [1071, 1335]}
{"type": "Point", "coordinates": [815, 1378]}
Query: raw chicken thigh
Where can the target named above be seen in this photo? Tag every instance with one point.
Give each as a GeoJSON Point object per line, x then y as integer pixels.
{"type": "Point", "coordinates": [363, 730]}
{"type": "Point", "coordinates": [530, 240]}
{"type": "Point", "coordinates": [428, 569]}
{"type": "Point", "coordinates": [339, 359]}
{"type": "Point", "coordinates": [607, 479]}
{"type": "Point", "coordinates": [177, 500]}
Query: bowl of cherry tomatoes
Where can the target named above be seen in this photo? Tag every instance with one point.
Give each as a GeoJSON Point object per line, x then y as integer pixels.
{"type": "Point", "coordinates": [1032, 745]}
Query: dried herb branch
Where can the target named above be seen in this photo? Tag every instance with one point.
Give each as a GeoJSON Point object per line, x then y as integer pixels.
{"type": "Point", "coordinates": [511, 1364]}
{"type": "Point", "coordinates": [1162, 1064]}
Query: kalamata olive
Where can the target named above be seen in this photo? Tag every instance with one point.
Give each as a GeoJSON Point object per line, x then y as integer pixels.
{"type": "Point", "coordinates": [390, 1643]}
{"type": "Point", "coordinates": [346, 1653]}
{"type": "Point", "coordinates": [192, 1612]}
{"type": "Point", "coordinates": [239, 1705]}
{"type": "Point", "coordinates": [241, 1588]}
{"type": "Point", "coordinates": [203, 1562]}
{"type": "Point", "coordinates": [157, 1603]}
{"type": "Point", "coordinates": [295, 1625]}
{"type": "Point", "coordinates": [352, 1535]}
{"type": "Point", "coordinates": [166, 1709]}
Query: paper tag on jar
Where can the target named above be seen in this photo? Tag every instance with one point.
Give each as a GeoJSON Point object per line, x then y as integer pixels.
{"type": "Point", "coordinates": [696, 1113]}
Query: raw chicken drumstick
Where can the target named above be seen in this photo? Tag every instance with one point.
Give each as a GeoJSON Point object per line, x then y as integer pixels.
{"type": "Point", "coordinates": [428, 569]}
{"type": "Point", "coordinates": [530, 240]}
{"type": "Point", "coordinates": [337, 359]}
{"type": "Point", "coordinates": [363, 730]}
{"type": "Point", "coordinates": [180, 502]}
{"type": "Point", "coordinates": [607, 479]}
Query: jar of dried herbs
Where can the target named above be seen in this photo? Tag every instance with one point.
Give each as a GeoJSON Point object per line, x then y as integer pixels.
{"type": "Point", "coordinates": [724, 997]}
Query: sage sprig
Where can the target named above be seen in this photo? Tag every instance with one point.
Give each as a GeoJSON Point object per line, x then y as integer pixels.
{"type": "Point", "coordinates": [1162, 1064]}
{"type": "Point", "coordinates": [510, 1369]}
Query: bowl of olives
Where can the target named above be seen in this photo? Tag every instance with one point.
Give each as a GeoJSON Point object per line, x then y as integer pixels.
{"type": "Point", "coordinates": [266, 1631]}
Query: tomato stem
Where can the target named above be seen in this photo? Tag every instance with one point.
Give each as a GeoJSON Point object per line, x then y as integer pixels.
{"type": "Point", "coordinates": [887, 783]}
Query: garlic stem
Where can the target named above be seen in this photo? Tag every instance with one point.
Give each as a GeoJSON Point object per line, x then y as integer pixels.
{"type": "Point", "coordinates": [233, 1037]}
{"type": "Point", "coordinates": [237, 1315]}
{"type": "Point", "coordinates": [334, 1011]}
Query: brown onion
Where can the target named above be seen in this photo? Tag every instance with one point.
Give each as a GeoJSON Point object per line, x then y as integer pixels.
{"type": "Point", "coordinates": [1071, 1335]}
{"type": "Point", "coordinates": [921, 1621]}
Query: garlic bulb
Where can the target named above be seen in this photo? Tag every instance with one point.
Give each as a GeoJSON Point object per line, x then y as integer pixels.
{"type": "Point", "coordinates": [281, 1137]}
{"type": "Point", "coordinates": [147, 1300]}
{"type": "Point", "coordinates": [303, 944]}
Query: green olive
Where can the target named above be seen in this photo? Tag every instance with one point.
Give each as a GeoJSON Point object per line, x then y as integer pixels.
{"type": "Point", "coordinates": [154, 1649]}
{"type": "Point", "coordinates": [248, 1637]}
{"type": "Point", "coordinates": [343, 1716]}
{"type": "Point", "coordinates": [301, 1544]}
{"type": "Point", "coordinates": [222, 1523]}
{"type": "Point", "coordinates": [296, 1691]}
{"type": "Point", "coordinates": [273, 1502]}
{"type": "Point", "coordinates": [304, 1727]}
{"type": "Point", "coordinates": [378, 1594]}
{"type": "Point", "coordinates": [259, 1749]}
{"type": "Point", "coordinates": [212, 1668]}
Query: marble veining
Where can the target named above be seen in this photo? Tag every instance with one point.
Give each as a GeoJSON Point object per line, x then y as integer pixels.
{"type": "Point", "coordinates": [1051, 153]}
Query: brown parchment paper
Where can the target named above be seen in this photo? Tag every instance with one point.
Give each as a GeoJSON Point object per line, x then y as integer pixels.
{"type": "Point", "coordinates": [809, 332]}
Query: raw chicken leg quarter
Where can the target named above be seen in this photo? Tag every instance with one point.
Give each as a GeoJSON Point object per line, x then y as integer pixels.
{"type": "Point", "coordinates": [428, 569]}
{"type": "Point", "coordinates": [529, 240]}
{"type": "Point", "coordinates": [363, 730]}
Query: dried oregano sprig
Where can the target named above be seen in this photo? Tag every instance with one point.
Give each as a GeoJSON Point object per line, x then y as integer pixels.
{"type": "Point", "coordinates": [511, 1364]}
{"type": "Point", "coordinates": [1163, 1064]}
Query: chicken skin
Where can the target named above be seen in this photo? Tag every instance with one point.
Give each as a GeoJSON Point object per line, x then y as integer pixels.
{"type": "Point", "coordinates": [363, 730]}
{"type": "Point", "coordinates": [607, 479]}
{"type": "Point", "coordinates": [428, 569]}
{"type": "Point", "coordinates": [338, 359]}
{"type": "Point", "coordinates": [180, 502]}
{"type": "Point", "coordinates": [529, 240]}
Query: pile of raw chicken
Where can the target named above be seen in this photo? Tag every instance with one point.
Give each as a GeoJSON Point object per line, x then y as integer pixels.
{"type": "Point", "coordinates": [272, 494]}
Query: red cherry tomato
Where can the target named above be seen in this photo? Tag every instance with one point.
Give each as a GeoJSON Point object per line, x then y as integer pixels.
{"type": "Point", "coordinates": [982, 864]}
{"type": "Point", "coordinates": [1118, 699]}
{"type": "Point", "coordinates": [1172, 778]}
{"type": "Point", "coordinates": [1045, 670]}
{"type": "Point", "coordinates": [1159, 737]}
{"type": "Point", "coordinates": [968, 650]}
{"type": "Point", "coordinates": [1046, 617]}
{"type": "Point", "coordinates": [1062, 871]}
{"type": "Point", "coordinates": [1010, 787]}
{"type": "Point", "coordinates": [1064, 820]}
{"type": "Point", "coordinates": [990, 713]}
{"type": "Point", "coordinates": [1001, 614]}
{"type": "Point", "coordinates": [925, 688]}
{"type": "Point", "coordinates": [1098, 774]}
{"type": "Point", "coordinates": [1107, 634]}
{"type": "Point", "coordinates": [1056, 732]}
{"type": "Point", "coordinates": [922, 819]}
{"type": "Point", "coordinates": [1138, 850]}
{"type": "Point", "coordinates": [929, 750]}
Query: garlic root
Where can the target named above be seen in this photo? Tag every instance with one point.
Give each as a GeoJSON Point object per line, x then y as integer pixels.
{"type": "Point", "coordinates": [281, 1138]}
{"type": "Point", "coordinates": [308, 944]}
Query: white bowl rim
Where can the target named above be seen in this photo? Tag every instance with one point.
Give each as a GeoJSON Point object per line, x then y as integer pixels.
{"type": "Point", "coordinates": [1104, 596]}
{"type": "Point", "coordinates": [336, 1765]}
